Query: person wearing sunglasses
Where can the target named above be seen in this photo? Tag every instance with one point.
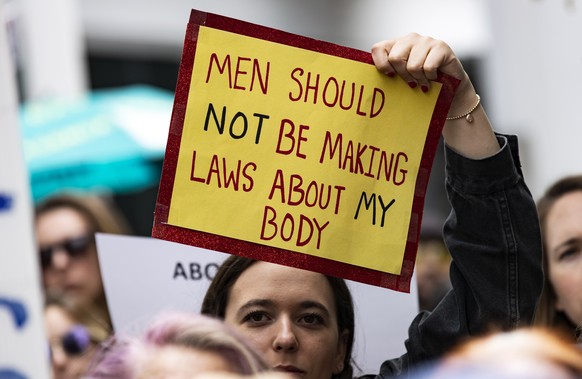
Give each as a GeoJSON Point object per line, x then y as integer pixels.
{"type": "Point", "coordinates": [65, 231]}
{"type": "Point", "coordinates": [73, 335]}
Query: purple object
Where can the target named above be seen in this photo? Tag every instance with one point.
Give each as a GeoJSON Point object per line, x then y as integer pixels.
{"type": "Point", "coordinates": [76, 340]}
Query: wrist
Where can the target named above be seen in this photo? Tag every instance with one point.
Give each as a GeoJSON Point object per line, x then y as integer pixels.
{"type": "Point", "coordinates": [467, 115]}
{"type": "Point", "coordinates": [465, 98]}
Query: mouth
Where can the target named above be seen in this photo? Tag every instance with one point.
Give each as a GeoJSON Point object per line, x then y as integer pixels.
{"type": "Point", "coordinates": [69, 287]}
{"type": "Point", "coordinates": [289, 370]}
{"type": "Point", "coordinates": [73, 290]}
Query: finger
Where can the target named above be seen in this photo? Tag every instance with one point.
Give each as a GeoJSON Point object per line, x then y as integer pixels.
{"type": "Point", "coordinates": [380, 53]}
{"type": "Point", "coordinates": [416, 63]}
{"type": "Point", "coordinates": [433, 60]}
{"type": "Point", "coordinates": [442, 58]}
{"type": "Point", "coordinates": [399, 55]}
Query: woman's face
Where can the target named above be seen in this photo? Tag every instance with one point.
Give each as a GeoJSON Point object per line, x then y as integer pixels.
{"type": "Point", "coordinates": [65, 365]}
{"type": "Point", "coordinates": [70, 263]}
{"type": "Point", "coordinates": [563, 237]}
{"type": "Point", "coordinates": [289, 316]}
{"type": "Point", "coordinates": [176, 362]}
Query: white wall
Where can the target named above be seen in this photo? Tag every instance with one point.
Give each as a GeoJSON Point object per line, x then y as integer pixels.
{"type": "Point", "coordinates": [535, 83]}
{"type": "Point", "coordinates": [52, 44]}
{"type": "Point", "coordinates": [137, 26]}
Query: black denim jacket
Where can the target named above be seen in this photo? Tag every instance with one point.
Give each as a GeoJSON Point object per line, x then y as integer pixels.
{"type": "Point", "coordinates": [494, 238]}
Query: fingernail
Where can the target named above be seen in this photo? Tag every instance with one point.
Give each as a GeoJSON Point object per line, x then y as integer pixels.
{"type": "Point", "coordinates": [391, 74]}
{"type": "Point", "coordinates": [424, 88]}
{"type": "Point", "coordinates": [412, 84]}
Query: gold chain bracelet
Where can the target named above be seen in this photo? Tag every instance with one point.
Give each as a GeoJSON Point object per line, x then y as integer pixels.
{"type": "Point", "coordinates": [467, 114]}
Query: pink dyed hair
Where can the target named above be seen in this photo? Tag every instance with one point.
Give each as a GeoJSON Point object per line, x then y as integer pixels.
{"type": "Point", "coordinates": [121, 358]}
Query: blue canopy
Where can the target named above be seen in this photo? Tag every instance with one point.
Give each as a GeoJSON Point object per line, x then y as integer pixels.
{"type": "Point", "coordinates": [110, 140]}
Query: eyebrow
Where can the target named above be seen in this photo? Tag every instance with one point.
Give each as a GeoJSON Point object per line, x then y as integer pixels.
{"type": "Point", "coordinates": [257, 303]}
{"type": "Point", "coordinates": [567, 243]}
{"type": "Point", "coordinates": [315, 304]}
{"type": "Point", "coordinates": [269, 303]}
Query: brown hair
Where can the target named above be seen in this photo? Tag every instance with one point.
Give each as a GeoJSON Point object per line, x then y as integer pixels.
{"type": "Point", "coordinates": [101, 215]}
{"type": "Point", "coordinates": [216, 300]}
{"type": "Point", "coordinates": [546, 313]}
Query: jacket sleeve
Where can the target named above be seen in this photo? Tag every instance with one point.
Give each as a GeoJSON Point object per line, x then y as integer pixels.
{"type": "Point", "coordinates": [494, 238]}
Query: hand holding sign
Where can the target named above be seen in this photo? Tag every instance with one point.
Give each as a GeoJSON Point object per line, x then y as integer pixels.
{"type": "Point", "coordinates": [418, 60]}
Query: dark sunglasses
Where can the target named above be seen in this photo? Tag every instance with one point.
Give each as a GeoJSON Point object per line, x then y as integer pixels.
{"type": "Point", "coordinates": [75, 342]}
{"type": "Point", "coordinates": [74, 247]}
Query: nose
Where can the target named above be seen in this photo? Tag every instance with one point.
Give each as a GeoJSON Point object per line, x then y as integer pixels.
{"type": "Point", "coordinates": [59, 358]}
{"type": "Point", "coordinates": [286, 338]}
{"type": "Point", "coordinates": [60, 259]}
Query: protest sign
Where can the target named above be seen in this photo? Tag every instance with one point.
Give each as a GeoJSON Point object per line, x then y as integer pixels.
{"type": "Point", "coordinates": [145, 276]}
{"type": "Point", "coordinates": [297, 151]}
{"type": "Point", "coordinates": [22, 335]}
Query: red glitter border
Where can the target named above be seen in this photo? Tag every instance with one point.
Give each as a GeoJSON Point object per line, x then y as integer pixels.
{"type": "Point", "coordinates": [162, 230]}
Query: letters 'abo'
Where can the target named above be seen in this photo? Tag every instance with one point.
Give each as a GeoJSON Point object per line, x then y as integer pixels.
{"type": "Point", "coordinates": [298, 152]}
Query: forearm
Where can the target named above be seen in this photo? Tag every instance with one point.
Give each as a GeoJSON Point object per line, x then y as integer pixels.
{"type": "Point", "coordinates": [494, 238]}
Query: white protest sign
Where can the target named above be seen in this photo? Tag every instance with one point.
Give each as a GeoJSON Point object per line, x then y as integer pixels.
{"type": "Point", "coordinates": [143, 276]}
{"type": "Point", "coordinates": [22, 337]}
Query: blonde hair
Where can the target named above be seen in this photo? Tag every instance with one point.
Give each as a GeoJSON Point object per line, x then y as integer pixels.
{"type": "Point", "coordinates": [526, 352]}
{"type": "Point", "coordinates": [102, 215]}
{"type": "Point", "coordinates": [98, 330]}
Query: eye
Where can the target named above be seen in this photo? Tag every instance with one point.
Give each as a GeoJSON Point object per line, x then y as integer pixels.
{"type": "Point", "coordinates": [312, 319]}
{"type": "Point", "coordinates": [78, 246]}
{"type": "Point", "coordinates": [568, 253]}
{"type": "Point", "coordinates": [256, 318]}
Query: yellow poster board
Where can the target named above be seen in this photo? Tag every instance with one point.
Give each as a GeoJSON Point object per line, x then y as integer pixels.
{"type": "Point", "coordinates": [297, 150]}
